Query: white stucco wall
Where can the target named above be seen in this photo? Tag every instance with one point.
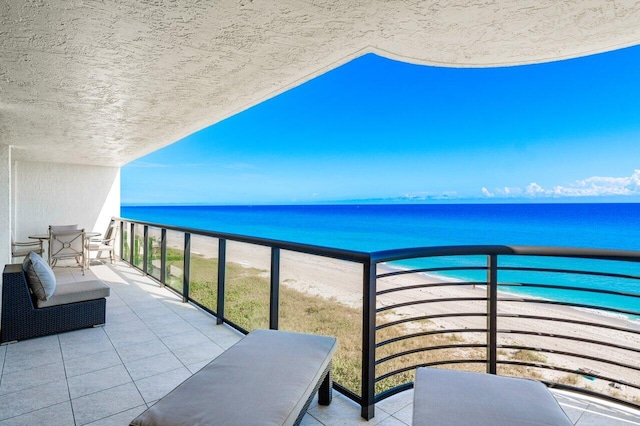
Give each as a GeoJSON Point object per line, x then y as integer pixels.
{"type": "Point", "coordinates": [63, 194]}
{"type": "Point", "coordinates": [5, 204]}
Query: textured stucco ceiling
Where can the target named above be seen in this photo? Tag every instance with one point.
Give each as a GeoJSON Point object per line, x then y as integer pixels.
{"type": "Point", "coordinates": [105, 82]}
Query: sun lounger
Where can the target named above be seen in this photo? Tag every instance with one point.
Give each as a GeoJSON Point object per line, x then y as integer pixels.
{"type": "Point", "coordinates": [267, 378]}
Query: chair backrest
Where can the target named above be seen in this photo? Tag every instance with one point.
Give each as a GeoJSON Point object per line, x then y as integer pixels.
{"type": "Point", "coordinates": [66, 244]}
{"type": "Point", "coordinates": [63, 228]}
{"type": "Point", "coordinates": [112, 232]}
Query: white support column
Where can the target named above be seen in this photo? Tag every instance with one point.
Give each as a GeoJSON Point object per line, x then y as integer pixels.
{"type": "Point", "coordinates": [5, 205]}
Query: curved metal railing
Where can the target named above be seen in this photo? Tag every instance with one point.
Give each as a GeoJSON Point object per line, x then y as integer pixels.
{"type": "Point", "coordinates": [477, 308]}
{"type": "Point", "coordinates": [525, 340]}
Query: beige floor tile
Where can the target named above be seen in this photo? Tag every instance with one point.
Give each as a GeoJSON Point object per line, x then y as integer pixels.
{"type": "Point", "coordinates": [101, 405]}
{"type": "Point", "coordinates": [58, 414]}
{"type": "Point", "coordinates": [138, 351]}
{"type": "Point", "coordinates": [32, 377]}
{"type": "Point", "coordinates": [183, 340]}
{"type": "Point", "coordinates": [32, 399]}
{"type": "Point", "coordinates": [87, 364]}
{"type": "Point", "coordinates": [153, 365]}
{"type": "Point", "coordinates": [98, 380]}
{"type": "Point", "coordinates": [343, 411]}
{"type": "Point", "coordinates": [120, 419]}
{"type": "Point", "coordinates": [155, 387]}
{"type": "Point", "coordinates": [396, 402]}
{"type": "Point", "coordinates": [203, 352]}
{"type": "Point", "coordinates": [15, 362]}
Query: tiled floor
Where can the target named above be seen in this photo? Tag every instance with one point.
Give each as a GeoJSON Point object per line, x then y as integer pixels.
{"type": "Point", "coordinates": [150, 343]}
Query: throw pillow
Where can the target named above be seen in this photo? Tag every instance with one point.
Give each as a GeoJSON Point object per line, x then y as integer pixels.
{"type": "Point", "coordinates": [40, 277]}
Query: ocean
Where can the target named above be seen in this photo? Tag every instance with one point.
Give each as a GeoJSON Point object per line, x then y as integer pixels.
{"type": "Point", "coordinates": [373, 227]}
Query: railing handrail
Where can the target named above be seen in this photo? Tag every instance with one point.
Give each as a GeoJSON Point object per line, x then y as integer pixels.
{"type": "Point", "coordinates": [382, 256]}
{"type": "Point", "coordinates": [335, 253]}
{"type": "Point", "coordinates": [504, 250]}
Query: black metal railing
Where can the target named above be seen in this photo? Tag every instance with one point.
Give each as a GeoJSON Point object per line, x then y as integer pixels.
{"type": "Point", "coordinates": [485, 320]}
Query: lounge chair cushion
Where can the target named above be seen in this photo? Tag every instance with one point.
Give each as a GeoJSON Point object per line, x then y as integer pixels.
{"type": "Point", "coordinates": [40, 277]}
{"type": "Point", "coordinates": [264, 379]}
{"type": "Point", "coordinates": [73, 292]}
{"type": "Point", "coordinates": [448, 397]}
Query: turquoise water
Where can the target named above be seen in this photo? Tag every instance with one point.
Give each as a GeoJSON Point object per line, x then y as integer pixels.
{"type": "Point", "coordinates": [381, 227]}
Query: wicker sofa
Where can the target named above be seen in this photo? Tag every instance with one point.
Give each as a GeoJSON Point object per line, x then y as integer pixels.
{"type": "Point", "coordinates": [72, 306]}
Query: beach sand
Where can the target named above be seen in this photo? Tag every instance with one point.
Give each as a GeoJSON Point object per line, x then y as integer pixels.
{"type": "Point", "coordinates": [342, 281]}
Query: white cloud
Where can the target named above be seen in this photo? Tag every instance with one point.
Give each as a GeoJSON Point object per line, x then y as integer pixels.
{"type": "Point", "coordinates": [596, 186]}
{"type": "Point", "coordinates": [533, 189]}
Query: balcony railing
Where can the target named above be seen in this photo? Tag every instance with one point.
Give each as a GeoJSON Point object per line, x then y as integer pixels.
{"type": "Point", "coordinates": [499, 310]}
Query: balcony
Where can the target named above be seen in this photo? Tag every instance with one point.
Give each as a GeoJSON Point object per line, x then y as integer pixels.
{"type": "Point", "coordinates": [152, 340]}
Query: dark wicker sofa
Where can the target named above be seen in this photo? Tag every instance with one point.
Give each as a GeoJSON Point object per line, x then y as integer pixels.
{"type": "Point", "coordinates": [23, 319]}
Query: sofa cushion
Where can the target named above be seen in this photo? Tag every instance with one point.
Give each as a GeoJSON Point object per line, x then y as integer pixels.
{"type": "Point", "coordinates": [40, 277]}
{"type": "Point", "coordinates": [76, 292]}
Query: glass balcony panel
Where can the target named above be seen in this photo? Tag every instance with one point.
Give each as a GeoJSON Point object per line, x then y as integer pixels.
{"type": "Point", "coordinates": [175, 261]}
{"type": "Point", "coordinates": [320, 295]}
{"type": "Point", "coordinates": [126, 235]}
{"type": "Point", "coordinates": [203, 283]}
{"type": "Point", "coordinates": [154, 253]}
{"type": "Point", "coordinates": [247, 285]}
{"type": "Point", "coordinates": [138, 246]}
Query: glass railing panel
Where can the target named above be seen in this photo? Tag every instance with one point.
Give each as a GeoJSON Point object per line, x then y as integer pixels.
{"type": "Point", "coordinates": [203, 278]}
{"type": "Point", "coordinates": [320, 295]}
{"type": "Point", "coordinates": [175, 261]}
{"type": "Point", "coordinates": [247, 285]}
{"type": "Point", "coordinates": [138, 246]}
{"type": "Point", "coordinates": [126, 236]}
{"type": "Point", "coordinates": [154, 252]}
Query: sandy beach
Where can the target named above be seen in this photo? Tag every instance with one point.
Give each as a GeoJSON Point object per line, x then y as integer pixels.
{"type": "Point", "coordinates": [342, 282]}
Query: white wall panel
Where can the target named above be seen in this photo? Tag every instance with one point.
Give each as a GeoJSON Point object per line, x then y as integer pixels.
{"type": "Point", "coordinates": [5, 204]}
{"type": "Point", "coordinates": [63, 194]}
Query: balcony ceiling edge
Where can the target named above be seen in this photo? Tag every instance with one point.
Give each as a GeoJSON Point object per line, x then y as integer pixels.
{"type": "Point", "coordinates": [104, 84]}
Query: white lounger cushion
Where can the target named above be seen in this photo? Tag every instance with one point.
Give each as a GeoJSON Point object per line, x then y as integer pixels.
{"type": "Point", "coordinates": [264, 379]}
{"type": "Point", "coordinates": [452, 398]}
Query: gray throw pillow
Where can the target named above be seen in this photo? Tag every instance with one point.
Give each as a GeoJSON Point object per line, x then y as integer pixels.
{"type": "Point", "coordinates": [40, 277]}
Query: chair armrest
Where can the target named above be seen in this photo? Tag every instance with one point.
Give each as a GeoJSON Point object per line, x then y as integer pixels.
{"type": "Point", "coordinates": [29, 244]}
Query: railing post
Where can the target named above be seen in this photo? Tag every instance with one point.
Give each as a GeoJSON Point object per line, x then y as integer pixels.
{"type": "Point", "coordinates": [145, 253]}
{"type": "Point", "coordinates": [368, 340]}
{"type": "Point", "coordinates": [121, 240]}
{"type": "Point", "coordinates": [274, 304]}
{"type": "Point", "coordinates": [222, 268]}
{"type": "Point", "coordinates": [186, 267]}
{"type": "Point", "coordinates": [492, 313]}
{"type": "Point", "coordinates": [132, 238]}
{"type": "Point", "coordinates": [163, 256]}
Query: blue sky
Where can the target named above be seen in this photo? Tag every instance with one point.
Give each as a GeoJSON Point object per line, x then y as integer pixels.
{"type": "Point", "coordinates": [386, 131]}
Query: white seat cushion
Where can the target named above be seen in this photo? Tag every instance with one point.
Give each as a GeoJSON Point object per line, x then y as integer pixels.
{"type": "Point", "coordinates": [460, 398]}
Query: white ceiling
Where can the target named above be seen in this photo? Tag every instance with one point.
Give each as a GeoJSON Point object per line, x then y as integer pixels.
{"type": "Point", "coordinates": [105, 82]}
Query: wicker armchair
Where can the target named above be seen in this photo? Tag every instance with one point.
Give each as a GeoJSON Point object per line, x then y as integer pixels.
{"type": "Point", "coordinates": [22, 318]}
